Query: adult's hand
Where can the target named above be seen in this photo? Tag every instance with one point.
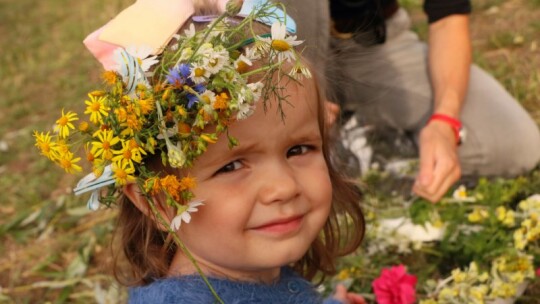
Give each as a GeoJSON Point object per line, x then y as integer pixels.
{"type": "Point", "coordinates": [439, 163]}
{"type": "Point", "coordinates": [341, 294]}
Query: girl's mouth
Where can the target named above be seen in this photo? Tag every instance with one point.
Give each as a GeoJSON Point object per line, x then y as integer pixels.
{"type": "Point", "coordinates": [281, 226]}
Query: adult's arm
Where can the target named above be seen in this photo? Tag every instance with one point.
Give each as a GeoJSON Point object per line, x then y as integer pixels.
{"type": "Point", "coordinates": [449, 65]}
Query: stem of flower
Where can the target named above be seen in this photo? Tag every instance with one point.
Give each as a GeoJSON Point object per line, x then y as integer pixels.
{"type": "Point", "coordinates": [261, 69]}
{"type": "Point", "coordinates": [181, 246]}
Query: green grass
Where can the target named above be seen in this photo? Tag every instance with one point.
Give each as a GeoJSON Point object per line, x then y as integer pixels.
{"type": "Point", "coordinates": [52, 249]}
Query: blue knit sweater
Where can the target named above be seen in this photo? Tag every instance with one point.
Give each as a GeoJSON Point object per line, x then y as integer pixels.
{"type": "Point", "coordinates": [289, 289]}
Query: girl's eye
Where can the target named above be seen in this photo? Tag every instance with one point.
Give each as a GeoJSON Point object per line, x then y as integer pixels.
{"type": "Point", "coordinates": [230, 167]}
{"type": "Point", "coordinates": [299, 150]}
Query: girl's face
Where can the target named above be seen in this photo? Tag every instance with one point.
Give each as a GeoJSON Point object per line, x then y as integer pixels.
{"type": "Point", "coordinates": [265, 200]}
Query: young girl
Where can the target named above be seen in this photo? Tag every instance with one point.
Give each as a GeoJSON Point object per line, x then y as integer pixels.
{"type": "Point", "coordinates": [221, 155]}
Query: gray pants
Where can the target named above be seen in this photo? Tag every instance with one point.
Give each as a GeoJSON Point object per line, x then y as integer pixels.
{"type": "Point", "coordinates": [389, 84]}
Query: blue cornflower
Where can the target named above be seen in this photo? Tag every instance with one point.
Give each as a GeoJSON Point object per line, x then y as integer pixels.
{"type": "Point", "coordinates": [178, 76]}
{"type": "Point", "coordinates": [192, 98]}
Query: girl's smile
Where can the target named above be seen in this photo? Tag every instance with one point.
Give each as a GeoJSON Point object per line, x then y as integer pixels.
{"type": "Point", "coordinates": [281, 227]}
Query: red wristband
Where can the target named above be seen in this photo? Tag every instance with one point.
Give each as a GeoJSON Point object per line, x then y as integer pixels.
{"type": "Point", "coordinates": [453, 122]}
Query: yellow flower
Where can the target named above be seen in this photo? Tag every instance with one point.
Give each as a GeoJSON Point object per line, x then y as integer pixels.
{"type": "Point", "coordinates": [209, 138]}
{"type": "Point", "coordinates": [146, 105]}
{"type": "Point", "coordinates": [132, 124]}
{"type": "Point", "coordinates": [458, 275]}
{"type": "Point", "coordinates": [171, 185]}
{"type": "Point", "coordinates": [221, 101]}
{"type": "Point", "coordinates": [98, 167]}
{"type": "Point", "coordinates": [187, 183]}
{"type": "Point", "coordinates": [478, 215]}
{"type": "Point", "coordinates": [104, 146]}
{"type": "Point", "coordinates": [96, 108]}
{"type": "Point", "coordinates": [152, 185]}
{"type": "Point", "coordinates": [110, 77]}
{"type": "Point", "coordinates": [43, 142]}
{"type": "Point", "coordinates": [181, 111]}
{"type": "Point", "coordinates": [519, 239]}
{"type": "Point", "coordinates": [67, 162]}
{"type": "Point", "coordinates": [123, 173]}
{"type": "Point", "coordinates": [479, 293]}
{"type": "Point", "coordinates": [63, 124]}
{"type": "Point", "coordinates": [343, 274]}
{"type": "Point", "coordinates": [127, 154]}
{"type": "Point", "coordinates": [84, 127]}
{"type": "Point", "coordinates": [134, 145]}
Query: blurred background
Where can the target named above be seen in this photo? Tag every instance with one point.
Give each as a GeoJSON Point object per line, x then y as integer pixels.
{"type": "Point", "coordinates": [52, 249]}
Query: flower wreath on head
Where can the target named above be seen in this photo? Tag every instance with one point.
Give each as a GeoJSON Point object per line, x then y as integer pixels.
{"type": "Point", "coordinates": [162, 90]}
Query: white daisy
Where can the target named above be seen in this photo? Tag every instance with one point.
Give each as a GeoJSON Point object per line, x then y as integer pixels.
{"type": "Point", "coordinates": [256, 89]}
{"type": "Point", "coordinates": [184, 214]}
{"type": "Point", "coordinates": [144, 56]}
{"type": "Point", "coordinates": [299, 71]}
{"type": "Point", "coordinates": [190, 32]}
{"type": "Point", "coordinates": [216, 60]}
{"type": "Point", "coordinates": [252, 54]}
{"type": "Point", "coordinates": [208, 97]}
{"type": "Point", "coordinates": [199, 73]}
{"type": "Point", "coordinates": [280, 43]}
{"type": "Point", "coordinates": [244, 111]}
{"type": "Point", "coordinates": [241, 64]}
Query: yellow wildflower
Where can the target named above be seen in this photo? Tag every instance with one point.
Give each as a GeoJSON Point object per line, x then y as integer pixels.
{"type": "Point", "coordinates": [121, 114]}
{"type": "Point", "coordinates": [63, 124]}
{"type": "Point", "coordinates": [209, 138]}
{"type": "Point", "coordinates": [98, 167]}
{"type": "Point", "coordinates": [96, 108]}
{"type": "Point", "coordinates": [68, 163]}
{"type": "Point", "coordinates": [181, 111]}
{"type": "Point", "coordinates": [458, 275]}
{"type": "Point", "coordinates": [123, 173]}
{"type": "Point", "coordinates": [171, 185]}
{"type": "Point", "coordinates": [61, 148]}
{"type": "Point", "coordinates": [187, 183]}
{"type": "Point", "coordinates": [104, 146]}
{"type": "Point", "coordinates": [184, 128]}
{"type": "Point", "coordinates": [147, 106]}
{"type": "Point", "coordinates": [478, 215]}
{"type": "Point", "coordinates": [133, 145]}
{"type": "Point", "coordinates": [343, 274]}
{"type": "Point", "coordinates": [127, 154]}
{"type": "Point", "coordinates": [110, 77]}
{"type": "Point", "coordinates": [84, 126]}
{"type": "Point", "coordinates": [43, 142]}
{"type": "Point", "coordinates": [221, 101]}
{"type": "Point", "coordinates": [519, 239]}
{"type": "Point", "coordinates": [152, 185]}
{"type": "Point", "coordinates": [479, 293]}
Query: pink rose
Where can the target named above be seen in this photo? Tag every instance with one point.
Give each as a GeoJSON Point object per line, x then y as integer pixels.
{"type": "Point", "coordinates": [395, 286]}
{"type": "Point", "coordinates": [538, 272]}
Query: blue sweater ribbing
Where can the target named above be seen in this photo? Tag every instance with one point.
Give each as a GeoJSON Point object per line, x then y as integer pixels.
{"type": "Point", "coordinates": [289, 289]}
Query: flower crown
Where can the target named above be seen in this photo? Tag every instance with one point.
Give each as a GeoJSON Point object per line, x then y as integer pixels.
{"type": "Point", "coordinates": [158, 102]}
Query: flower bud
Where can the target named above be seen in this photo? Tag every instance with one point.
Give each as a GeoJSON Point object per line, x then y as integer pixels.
{"type": "Point", "coordinates": [233, 7]}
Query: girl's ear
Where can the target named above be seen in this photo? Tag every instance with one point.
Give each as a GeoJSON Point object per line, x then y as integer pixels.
{"type": "Point", "coordinates": [134, 194]}
{"type": "Point", "coordinates": [332, 112]}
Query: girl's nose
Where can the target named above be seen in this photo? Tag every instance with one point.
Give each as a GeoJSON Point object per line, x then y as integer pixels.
{"type": "Point", "coordinates": [278, 184]}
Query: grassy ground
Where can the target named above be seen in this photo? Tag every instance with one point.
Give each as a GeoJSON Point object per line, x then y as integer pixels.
{"type": "Point", "coordinates": [52, 248]}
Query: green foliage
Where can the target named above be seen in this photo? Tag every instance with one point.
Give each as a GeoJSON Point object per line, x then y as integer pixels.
{"type": "Point", "coordinates": [473, 229]}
